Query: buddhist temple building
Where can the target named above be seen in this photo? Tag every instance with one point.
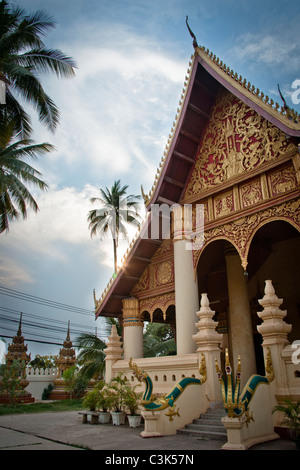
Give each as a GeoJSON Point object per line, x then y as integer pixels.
{"type": "Point", "coordinates": [233, 156]}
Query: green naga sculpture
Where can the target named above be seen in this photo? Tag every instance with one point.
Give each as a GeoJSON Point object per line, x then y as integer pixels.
{"type": "Point", "coordinates": [150, 403]}
{"type": "Point", "coordinates": [236, 402]}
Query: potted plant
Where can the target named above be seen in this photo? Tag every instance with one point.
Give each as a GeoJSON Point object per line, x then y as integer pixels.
{"type": "Point", "coordinates": [90, 400]}
{"type": "Point", "coordinates": [291, 411]}
{"type": "Point", "coordinates": [104, 404]}
{"type": "Point", "coordinates": [132, 402]}
{"type": "Point", "coordinates": [116, 396]}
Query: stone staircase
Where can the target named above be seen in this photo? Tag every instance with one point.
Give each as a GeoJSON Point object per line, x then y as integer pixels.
{"type": "Point", "coordinates": [208, 426]}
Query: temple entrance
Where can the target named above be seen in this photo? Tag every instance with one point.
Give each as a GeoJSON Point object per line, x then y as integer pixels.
{"type": "Point", "coordinates": [275, 254]}
{"type": "Point", "coordinates": [221, 276]}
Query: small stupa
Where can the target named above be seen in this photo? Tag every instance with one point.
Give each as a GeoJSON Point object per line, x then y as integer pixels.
{"type": "Point", "coordinates": [17, 350]}
{"type": "Point", "coordinates": [66, 359]}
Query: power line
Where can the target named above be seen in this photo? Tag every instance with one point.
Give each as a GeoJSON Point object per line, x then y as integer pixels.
{"type": "Point", "coordinates": [41, 301]}
{"type": "Point", "coordinates": [45, 326]}
{"type": "Point", "coordinates": [44, 323]}
{"type": "Point", "coordinates": [40, 318]}
{"type": "Point", "coordinates": [34, 341]}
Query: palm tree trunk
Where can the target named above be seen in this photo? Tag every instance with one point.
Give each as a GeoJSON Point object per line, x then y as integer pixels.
{"type": "Point", "coordinates": [115, 255]}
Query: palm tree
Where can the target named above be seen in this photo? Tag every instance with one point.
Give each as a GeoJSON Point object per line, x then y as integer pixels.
{"type": "Point", "coordinates": [23, 56]}
{"type": "Point", "coordinates": [91, 350]}
{"type": "Point", "coordinates": [91, 356]}
{"type": "Point", "coordinates": [159, 340]}
{"type": "Point", "coordinates": [15, 173]}
{"type": "Point", "coordinates": [115, 213]}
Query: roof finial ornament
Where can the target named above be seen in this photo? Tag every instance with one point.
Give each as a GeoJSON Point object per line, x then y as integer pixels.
{"type": "Point", "coordinates": [195, 44]}
{"type": "Point", "coordinates": [145, 197]}
{"type": "Point", "coordinates": [284, 102]}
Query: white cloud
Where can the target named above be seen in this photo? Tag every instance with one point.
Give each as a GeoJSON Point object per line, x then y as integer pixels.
{"type": "Point", "coordinates": [119, 103]}
{"type": "Point", "coordinates": [62, 218]}
{"type": "Point", "coordinates": [269, 49]}
{"type": "Point", "coordinates": [12, 273]}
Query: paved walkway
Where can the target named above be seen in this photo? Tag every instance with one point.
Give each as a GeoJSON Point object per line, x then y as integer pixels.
{"type": "Point", "coordinates": [65, 431]}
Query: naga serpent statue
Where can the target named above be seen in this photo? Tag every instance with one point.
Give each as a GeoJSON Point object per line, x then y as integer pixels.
{"type": "Point", "coordinates": [150, 403]}
{"type": "Point", "coordinates": [237, 402]}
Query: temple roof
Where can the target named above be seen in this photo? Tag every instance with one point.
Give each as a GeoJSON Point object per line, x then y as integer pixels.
{"type": "Point", "coordinates": [205, 77]}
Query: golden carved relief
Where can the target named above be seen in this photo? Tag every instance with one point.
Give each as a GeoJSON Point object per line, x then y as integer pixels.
{"type": "Point", "coordinates": [165, 249]}
{"type": "Point", "coordinates": [251, 193]}
{"type": "Point", "coordinates": [240, 232]}
{"type": "Point", "coordinates": [237, 139]}
{"type": "Point", "coordinates": [282, 181]}
{"type": "Point", "coordinates": [143, 283]}
{"type": "Point", "coordinates": [162, 302]}
{"type": "Point", "coordinates": [224, 204]}
{"type": "Point", "coordinates": [164, 273]}
{"type": "Point", "coordinates": [159, 274]}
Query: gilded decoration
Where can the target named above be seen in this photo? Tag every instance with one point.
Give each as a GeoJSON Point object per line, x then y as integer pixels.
{"type": "Point", "coordinates": [251, 193]}
{"type": "Point", "coordinates": [164, 273]}
{"type": "Point", "coordinates": [237, 139]}
{"type": "Point", "coordinates": [161, 302]}
{"type": "Point", "coordinates": [158, 277]}
{"type": "Point", "coordinates": [282, 180]}
{"type": "Point", "coordinates": [224, 204]}
{"type": "Point", "coordinates": [241, 231]}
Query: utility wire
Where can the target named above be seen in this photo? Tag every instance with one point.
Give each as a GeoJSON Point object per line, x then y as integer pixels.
{"type": "Point", "coordinates": [43, 326]}
{"type": "Point", "coordinates": [40, 318]}
{"type": "Point", "coordinates": [39, 300]}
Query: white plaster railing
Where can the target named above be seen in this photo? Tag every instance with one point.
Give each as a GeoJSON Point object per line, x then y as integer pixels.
{"type": "Point", "coordinates": [165, 371]}
{"type": "Point", "coordinates": [39, 379]}
{"type": "Point", "coordinates": [40, 372]}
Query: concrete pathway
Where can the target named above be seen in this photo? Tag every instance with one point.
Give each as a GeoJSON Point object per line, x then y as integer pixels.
{"type": "Point", "coordinates": [65, 431]}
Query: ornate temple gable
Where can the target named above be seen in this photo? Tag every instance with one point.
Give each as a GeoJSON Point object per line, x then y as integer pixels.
{"type": "Point", "coordinates": [158, 277]}
{"type": "Point", "coordinates": [237, 144]}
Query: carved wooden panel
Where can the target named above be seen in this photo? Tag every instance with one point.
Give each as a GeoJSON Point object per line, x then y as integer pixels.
{"type": "Point", "coordinates": [158, 277]}
{"type": "Point", "coordinates": [237, 140]}
{"type": "Point", "coordinates": [240, 231]}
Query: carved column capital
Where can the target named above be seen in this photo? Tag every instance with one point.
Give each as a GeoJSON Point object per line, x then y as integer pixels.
{"type": "Point", "coordinates": [131, 312]}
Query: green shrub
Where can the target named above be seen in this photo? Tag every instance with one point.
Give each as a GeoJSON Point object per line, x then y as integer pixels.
{"type": "Point", "coordinates": [47, 391]}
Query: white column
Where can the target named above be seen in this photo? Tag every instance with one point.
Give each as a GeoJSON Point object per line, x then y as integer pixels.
{"type": "Point", "coordinates": [133, 330]}
{"type": "Point", "coordinates": [240, 323]}
{"type": "Point", "coordinates": [186, 288]}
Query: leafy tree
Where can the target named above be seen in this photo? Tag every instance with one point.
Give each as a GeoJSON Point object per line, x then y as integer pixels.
{"type": "Point", "coordinates": [16, 174]}
{"type": "Point", "coordinates": [23, 56]}
{"type": "Point", "coordinates": [159, 340]}
{"type": "Point", "coordinates": [75, 382]}
{"type": "Point", "coordinates": [116, 211]}
{"type": "Point", "coordinates": [43, 362]}
{"type": "Point", "coordinates": [11, 382]}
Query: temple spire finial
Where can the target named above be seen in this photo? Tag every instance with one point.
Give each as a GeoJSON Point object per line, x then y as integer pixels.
{"type": "Point", "coordinates": [19, 333]}
{"type": "Point", "coordinates": [195, 44]}
{"type": "Point", "coordinates": [282, 97]}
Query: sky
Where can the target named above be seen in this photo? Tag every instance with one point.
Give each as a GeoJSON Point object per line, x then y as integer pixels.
{"type": "Point", "coordinates": [116, 116]}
